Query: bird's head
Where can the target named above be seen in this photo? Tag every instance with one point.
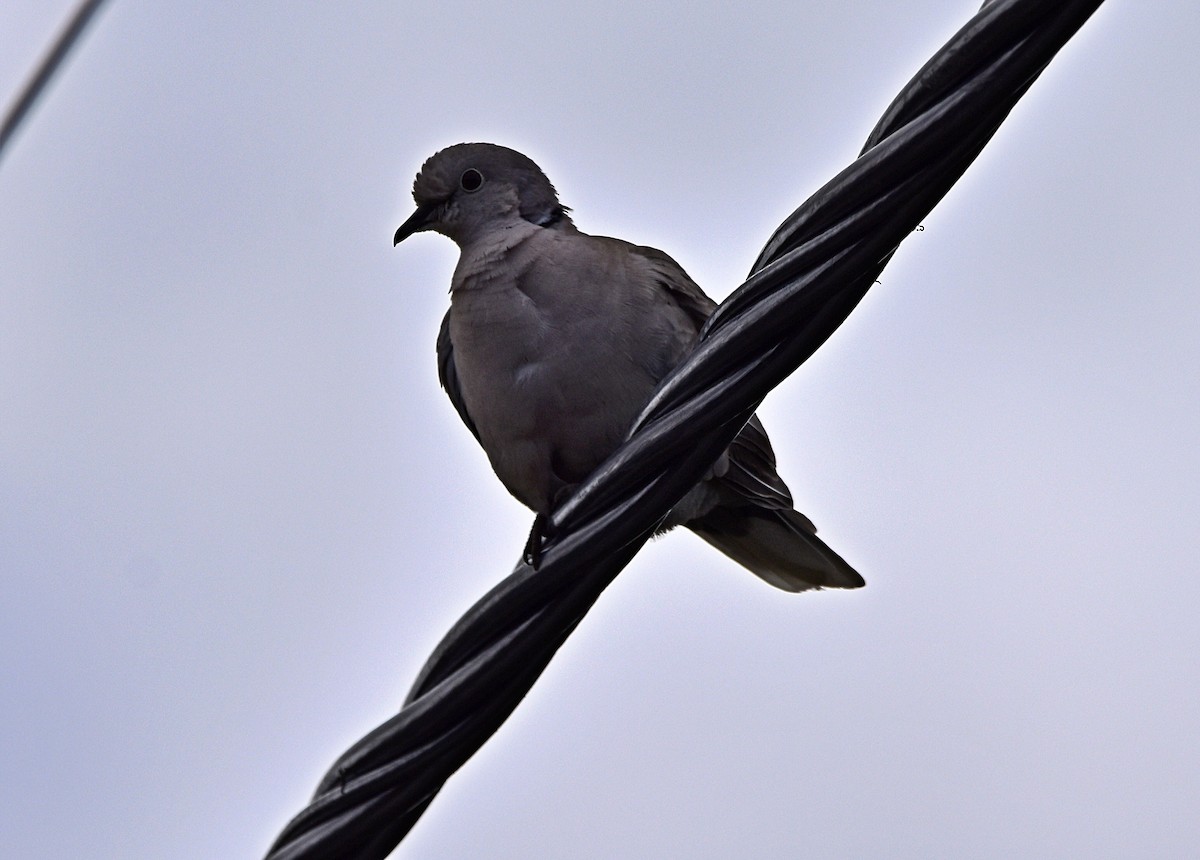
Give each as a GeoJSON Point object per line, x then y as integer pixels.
{"type": "Point", "coordinates": [469, 188]}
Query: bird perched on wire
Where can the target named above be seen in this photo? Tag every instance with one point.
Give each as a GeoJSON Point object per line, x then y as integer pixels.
{"type": "Point", "coordinates": [556, 339]}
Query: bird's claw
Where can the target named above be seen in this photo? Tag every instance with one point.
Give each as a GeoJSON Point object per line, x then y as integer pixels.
{"type": "Point", "coordinates": [533, 547]}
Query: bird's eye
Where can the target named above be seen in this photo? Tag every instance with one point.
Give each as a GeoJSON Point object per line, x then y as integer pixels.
{"type": "Point", "coordinates": [471, 180]}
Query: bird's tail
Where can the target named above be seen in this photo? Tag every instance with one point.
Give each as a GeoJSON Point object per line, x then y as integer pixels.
{"type": "Point", "coordinates": [780, 546]}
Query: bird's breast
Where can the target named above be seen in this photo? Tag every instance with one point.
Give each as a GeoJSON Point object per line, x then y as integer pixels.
{"type": "Point", "coordinates": [552, 393]}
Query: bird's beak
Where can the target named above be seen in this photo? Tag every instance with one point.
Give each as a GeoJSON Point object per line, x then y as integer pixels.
{"type": "Point", "coordinates": [415, 224]}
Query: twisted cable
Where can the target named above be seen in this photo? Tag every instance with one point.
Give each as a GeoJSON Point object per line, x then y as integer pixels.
{"type": "Point", "coordinates": [812, 273]}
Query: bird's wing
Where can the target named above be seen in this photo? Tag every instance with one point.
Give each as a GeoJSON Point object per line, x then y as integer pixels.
{"type": "Point", "coordinates": [448, 375]}
{"type": "Point", "coordinates": [683, 289]}
{"type": "Point", "coordinates": [751, 470]}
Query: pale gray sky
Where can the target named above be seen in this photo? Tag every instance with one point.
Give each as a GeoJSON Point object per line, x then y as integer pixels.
{"type": "Point", "coordinates": [236, 512]}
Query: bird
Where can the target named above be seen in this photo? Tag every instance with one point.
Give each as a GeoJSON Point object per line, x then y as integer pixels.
{"type": "Point", "coordinates": [554, 341]}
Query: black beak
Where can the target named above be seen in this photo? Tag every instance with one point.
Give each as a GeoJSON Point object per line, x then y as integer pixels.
{"type": "Point", "coordinates": [415, 224]}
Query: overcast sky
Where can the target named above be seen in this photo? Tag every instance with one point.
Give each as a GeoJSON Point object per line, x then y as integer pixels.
{"type": "Point", "coordinates": [237, 513]}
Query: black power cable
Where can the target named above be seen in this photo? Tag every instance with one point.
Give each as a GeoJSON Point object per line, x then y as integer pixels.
{"type": "Point", "coordinates": [46, 69]}
{"type": "Point", "coordinates": [812, 273]}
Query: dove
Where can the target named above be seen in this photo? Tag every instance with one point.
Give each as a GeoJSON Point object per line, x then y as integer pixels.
{"type": "Point", "coordinates": [554, 341]}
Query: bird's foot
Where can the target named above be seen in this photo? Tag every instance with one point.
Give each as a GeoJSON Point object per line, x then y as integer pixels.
{"type": "Point", "coordinates": [533, 547]}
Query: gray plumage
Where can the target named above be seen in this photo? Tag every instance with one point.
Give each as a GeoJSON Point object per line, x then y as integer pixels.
{"type": "Point", "coordinates": [555, 340]}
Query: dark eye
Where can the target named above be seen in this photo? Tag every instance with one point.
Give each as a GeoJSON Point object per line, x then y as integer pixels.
{"type": "Point", "coordinates": [471, 180]}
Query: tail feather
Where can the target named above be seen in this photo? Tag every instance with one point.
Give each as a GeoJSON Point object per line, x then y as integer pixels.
{"type": "Point", "coordinates": [777, 545]}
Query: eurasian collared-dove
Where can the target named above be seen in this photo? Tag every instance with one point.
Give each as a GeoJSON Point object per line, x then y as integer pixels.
{"type": "Point", "coordinates": [555, 340]}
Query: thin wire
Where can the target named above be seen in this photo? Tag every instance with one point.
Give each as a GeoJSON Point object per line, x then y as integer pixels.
{"type": "Point", "coordinates": [45, 71]}
{"type": "Point", "coordinates": [812, 273]}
